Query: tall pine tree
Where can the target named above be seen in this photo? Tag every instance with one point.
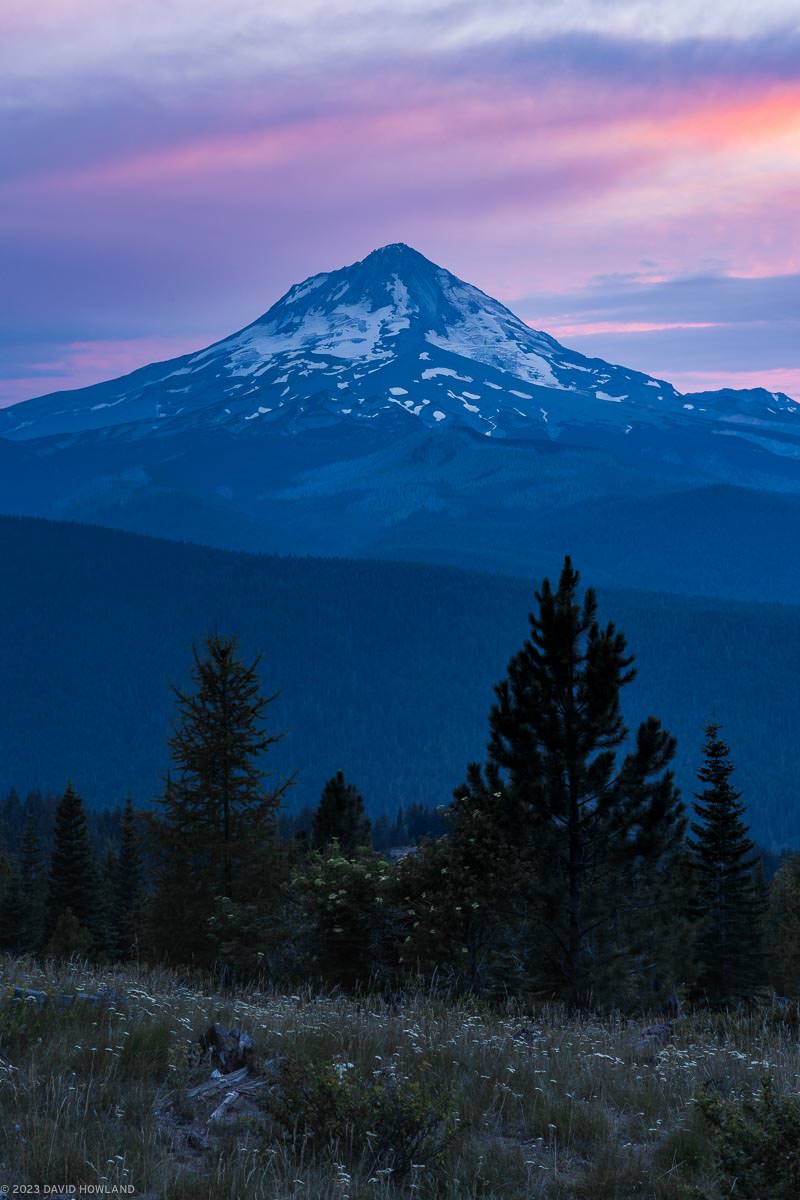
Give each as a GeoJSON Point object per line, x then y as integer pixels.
{"type": "Point", "coordinates": [783, 928]}
{"type": "Point", "coordinates": [730, 903]}
{"type": "Point", "coordinates": [340, 816]}
{"type": "Point", "coordinates": [217, 823]}
{"type": "Point", "coordinates": [23, 906]}
{"type": "Point", "coordinates": [73, 887]}
{"type": "Point", "coordinates": [127, 890]}
{"type": "Point", "coordinates": [589, 844]}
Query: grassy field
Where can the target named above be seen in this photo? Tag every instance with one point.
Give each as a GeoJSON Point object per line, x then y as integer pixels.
{"type": "Point", "coordinates": [362, 1098]}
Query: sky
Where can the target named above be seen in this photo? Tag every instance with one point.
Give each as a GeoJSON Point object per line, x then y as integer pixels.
{"type": "Point", "coordinates": [624, 174]}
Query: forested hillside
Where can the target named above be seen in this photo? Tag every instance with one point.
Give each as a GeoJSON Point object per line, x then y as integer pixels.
{"type": "Point", "coordinates": [385, 669]}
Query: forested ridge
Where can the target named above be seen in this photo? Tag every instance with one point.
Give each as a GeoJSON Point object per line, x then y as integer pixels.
{"type": "Point", "coordinates": [383, 669]}
{"type": "Point", "coordinates": [567, 893]}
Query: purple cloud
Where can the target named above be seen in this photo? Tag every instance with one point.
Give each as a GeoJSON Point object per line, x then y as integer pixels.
{"type": "Point", "coordinates": [154, 189]}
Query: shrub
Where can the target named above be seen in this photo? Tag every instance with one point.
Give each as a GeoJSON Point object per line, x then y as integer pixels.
{"type": "Point", "coordinates": [381, 1121]}
{"type": "Point", "coordinates": [756, 1143]}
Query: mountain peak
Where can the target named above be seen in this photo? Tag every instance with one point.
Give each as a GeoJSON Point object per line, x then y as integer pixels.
{"type": "Point", "coordinates": [394, 337]}
{"type": "Point", "coordinates": [397, 250]}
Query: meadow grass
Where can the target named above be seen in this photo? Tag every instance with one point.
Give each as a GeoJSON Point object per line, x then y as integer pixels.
{"type": "Point", "coordinates": [494, 1104]}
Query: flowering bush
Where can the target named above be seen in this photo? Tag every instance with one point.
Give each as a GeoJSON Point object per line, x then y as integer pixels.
{"type": "Point", "coordinates": [343, 902]}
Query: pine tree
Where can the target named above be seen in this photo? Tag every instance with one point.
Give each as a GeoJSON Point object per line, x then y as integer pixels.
{"type": "Point", "coordinates": [107, 875]}
{"type": "Point", "coordinates": [32, 896]}
{"type": "Point", "coordinates": [589, 845]}
{"type": "Point", "coordinates": [127, 889]}
{"type": "Point", "coordinates": [340, 817]}
{"type": "Point", "coordinates": [729, 901]}
{"type": "Point", "coordinates": [73, 881]}
{"type": "Point", "coordinates": [11, 904]}
{"type": "Point", "coordinates": [22, 911]}
{"type": "Point", "coordinates": [783, 928]}
{"type": "Point", "coordinates": [216, 828]}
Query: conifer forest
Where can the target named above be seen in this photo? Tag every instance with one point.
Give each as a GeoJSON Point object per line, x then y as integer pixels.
{"type": "Point", "coordinates": [567, 891]}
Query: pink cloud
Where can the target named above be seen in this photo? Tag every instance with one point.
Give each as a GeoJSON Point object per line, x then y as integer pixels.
{"type": "Point", "coordinates": [529, 171]}
{"type": "Point", "coordinates": [79, 364]}
{"type": "Point", "coordinates": [778, 379]}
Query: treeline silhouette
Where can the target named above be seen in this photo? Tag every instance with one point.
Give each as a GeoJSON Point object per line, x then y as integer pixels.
{"type": "Point", "coordinates": [567, 865]}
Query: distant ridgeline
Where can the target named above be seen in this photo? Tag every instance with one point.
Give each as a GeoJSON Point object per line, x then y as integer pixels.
{"type": "Point", "coordinates": [385, 669]}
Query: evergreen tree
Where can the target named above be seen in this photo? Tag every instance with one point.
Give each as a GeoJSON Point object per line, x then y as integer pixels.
{"type": "Point", "coordinates": [217, 826]}
{"type": "Point", "coordinates": [589, 845]}
{"type": "Point", "coordinates": [729, 900]}
{"type": "Point", "coordinates": [127, 889]}
{"type": "Point", "coordinates": [30, 921]}
{"type": "Point", "coordinates": [340, 816]}
{"type": "Point", "coordinates": [12, 905]}
{"type": "Point", "coordinates": [73, 881]}
{"type": "Point", "coordinates": [783, 928]}
{"type": "Point", "coordinates": [105, 910]}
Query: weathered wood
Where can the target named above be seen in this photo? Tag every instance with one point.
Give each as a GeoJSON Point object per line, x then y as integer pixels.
{"type": "Point", "coordinates": [218, 1083]}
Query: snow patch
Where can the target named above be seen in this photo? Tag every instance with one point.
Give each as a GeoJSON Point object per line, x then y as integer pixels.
{"type": "Point", "coordinates": [433, 372]}
{"type": "Point", "coordinates": [300, 290]}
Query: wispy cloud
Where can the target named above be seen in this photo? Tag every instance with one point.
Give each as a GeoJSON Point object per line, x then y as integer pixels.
{"type": "Point", "coordinates": [170, 168]}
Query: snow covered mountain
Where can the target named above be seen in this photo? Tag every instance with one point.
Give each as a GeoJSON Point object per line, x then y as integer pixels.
{"type": "Point", "coordinates": [390, 410]}
{"type": "Point", "coordinates": [396, 334]}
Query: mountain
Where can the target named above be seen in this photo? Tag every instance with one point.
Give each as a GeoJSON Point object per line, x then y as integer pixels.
{"type": "Point", "coordinates": [389, 409]}
{"type": "Point", "coordinates": [384, 669]}
{"type": "Point", "coordinates": [396, 334]}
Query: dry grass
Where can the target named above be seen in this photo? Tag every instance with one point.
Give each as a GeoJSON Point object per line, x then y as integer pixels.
{"type": "Point", "coordinates": [548, 1106]}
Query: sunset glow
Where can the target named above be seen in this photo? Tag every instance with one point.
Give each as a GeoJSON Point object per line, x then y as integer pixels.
{"type": "Point", "coordinates": [628, 180]}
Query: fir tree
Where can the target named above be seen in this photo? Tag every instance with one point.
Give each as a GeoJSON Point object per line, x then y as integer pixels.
{"type": "Point", "coordinates": [783, 928]}
{"type": "Point", "coordinates": [127, 889]}
{"type": "Point", "coordinates": [12, 904]}
{"type": "Point", "coordinates": [340, 816]}
{"type": "Point", "coordinates": [217, 824]}
{"type": "Point", "coordinates": [72, 882]}
{"type": "Point", "coordinates": [589, 845]}
{"type": "Point", "coordinates": [30, 874]}
{"type": "Point", "coordinates": [105, 910]}
{"type": "Point", "coordinates": [729, 900]}
{"type": "Point", "coordinates": [10, 891]}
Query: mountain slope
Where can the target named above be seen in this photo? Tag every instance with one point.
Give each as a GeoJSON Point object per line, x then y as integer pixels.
{"type": "Point", "coordinates": [394, 333]}
{"type": "Point", "coordinates": [389, 409]}
{"type": "Point", "coordinates": [385, 669]}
